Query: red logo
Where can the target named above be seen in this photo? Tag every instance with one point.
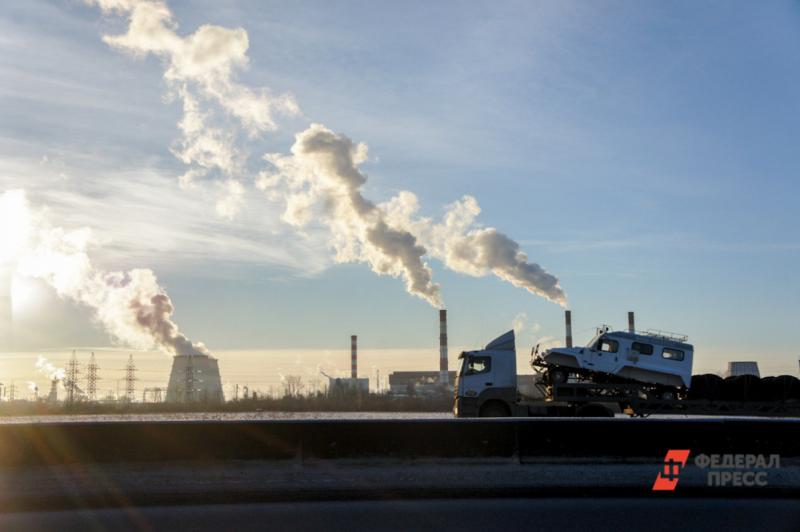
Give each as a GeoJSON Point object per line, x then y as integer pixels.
{"type": "Point", "coordinates": [667, 478]}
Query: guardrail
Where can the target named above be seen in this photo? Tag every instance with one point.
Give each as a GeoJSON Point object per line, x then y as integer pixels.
{"type": "Point", "coordinates": [213, 441]}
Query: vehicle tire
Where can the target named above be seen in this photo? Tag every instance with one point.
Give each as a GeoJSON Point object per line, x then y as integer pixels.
{"type": "Point", "coordinates": [494, 409]}
{"type": "Point", "coordinates": [668, 395]}
{"type": "Point", "coordinates": [557, 376]}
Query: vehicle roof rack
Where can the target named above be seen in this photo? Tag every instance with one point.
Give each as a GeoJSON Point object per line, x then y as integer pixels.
{"type": "Point", "coordinates": [675, 337]}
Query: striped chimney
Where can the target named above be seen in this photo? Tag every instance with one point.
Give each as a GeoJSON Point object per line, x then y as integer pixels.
{"type": "Point", "coordinates": [568, 323]}
{"type": "Point", "coordinates": [631, 326]}
{"type": "Point", "coordinates": [443, 377]}
{"type": "Point", "coordinates": [354, 357]}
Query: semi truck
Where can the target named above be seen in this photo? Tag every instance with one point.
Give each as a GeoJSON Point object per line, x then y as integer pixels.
{"type": "Point", "coordinates": [617, 372]}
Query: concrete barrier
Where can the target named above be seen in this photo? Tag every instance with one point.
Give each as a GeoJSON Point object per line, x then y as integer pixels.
{"type": "Point", "coordinates": [214, 441]}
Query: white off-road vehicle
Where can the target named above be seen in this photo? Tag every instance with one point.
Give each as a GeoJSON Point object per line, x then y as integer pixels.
{"type": "Point", "coordinates": [663, 361]}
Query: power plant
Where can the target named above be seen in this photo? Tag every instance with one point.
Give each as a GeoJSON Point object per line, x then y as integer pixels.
{"type": "Point", "coordinates": [195, 379]}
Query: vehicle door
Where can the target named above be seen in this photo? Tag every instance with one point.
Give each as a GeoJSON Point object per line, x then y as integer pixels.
{"type": "Point", "coordinates": [605, 355]}
{"type": "Point", "coordinates": [477, 374]}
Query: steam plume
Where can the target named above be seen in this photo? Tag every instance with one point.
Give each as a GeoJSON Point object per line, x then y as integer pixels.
{"type": "Point", "coordinates": [131, 306]}
{"type": "Point", "coordinates": [320, 179]}
{"type": "Point", "coordinates": [322, 175]}
{"type": "Point", "coordinates": [200, 67]}
{"type": "Point", "coordinates": [45, 367]}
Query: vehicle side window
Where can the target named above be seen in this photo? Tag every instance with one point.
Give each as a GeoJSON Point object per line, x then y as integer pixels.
{"type": "Point", "coordinates": [607, 345]}
{"type": "Point", "coordinates": [672, 354]}
{"type": "Point", "coordinates": [642, 349]}
{"type": "Point", "coordinates": [478, 365]}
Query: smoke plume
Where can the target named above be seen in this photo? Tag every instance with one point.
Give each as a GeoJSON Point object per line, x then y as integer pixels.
{"type": "Point", "coordinates": [200, 69]}
{"type": "Point", "coordinates": [131, 306]}
{"type": "Point", "coordinates": [45, 367]}
{"type": "Point", "coordinates": [320, 180]}
{"type": "Point", "coordinates": [322, 177]}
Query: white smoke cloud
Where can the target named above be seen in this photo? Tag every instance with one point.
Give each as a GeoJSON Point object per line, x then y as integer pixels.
{"type": "Point", "coordinates": [200, 70]}
{"type": "Point", "coordinates": [519, 323]}
{"type": "Point", "coordinates": [230, 204]}
{"type": "Point", "coordinates": [131, 306]}
{"type": "Point", "coordinates": [321, 179]}
{"type": "Point", "coordinates": [48, 369]}
{"type": "Point", "coordinates": [466, 247]}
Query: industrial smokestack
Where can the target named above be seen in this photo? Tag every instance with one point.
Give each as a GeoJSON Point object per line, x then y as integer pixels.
{"type": "Point", "coordinates": [568, 323]}
{"type": "Point", "coordinates": [443, 377]}
{"type": "Point", "coordinates": [631, 326]}
{"type": "Point", "coordinates": [354, 357]}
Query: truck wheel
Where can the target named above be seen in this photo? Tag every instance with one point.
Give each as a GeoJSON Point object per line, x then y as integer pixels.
{"type": "Point", "coordinates": [494, 409]}
{"type": "Point", "coordinates": [668, 395]}
{"type": "Point", "coordinates": [557, 376]}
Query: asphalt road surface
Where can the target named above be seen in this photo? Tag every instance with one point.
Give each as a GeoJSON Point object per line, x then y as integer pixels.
{"type": "Point", "coordinates": [563, 514]}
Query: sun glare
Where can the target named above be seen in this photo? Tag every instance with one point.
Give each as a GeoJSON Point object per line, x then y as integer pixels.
{"type": "Point", "coordinates": [23, 294]}
{"type": "Point", "coordinates": [15, 224]}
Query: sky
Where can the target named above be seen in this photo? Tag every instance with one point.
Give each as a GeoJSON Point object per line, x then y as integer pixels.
{"type": "Point", "coordinates": [643, 155]}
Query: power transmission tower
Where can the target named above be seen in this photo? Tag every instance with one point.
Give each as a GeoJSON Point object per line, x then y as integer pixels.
{"type": "Point", "coordinates": [71, 381]}
{"type": "Point", "coordinates": [91, 379]}
{"type": "Point", "coordinates": [130, 380]}
{"type": "Point", "coordinates": [189, 382]}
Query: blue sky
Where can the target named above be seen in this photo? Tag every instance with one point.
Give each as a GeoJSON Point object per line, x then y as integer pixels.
{"type": "Point", "coordinates": [644, 153]}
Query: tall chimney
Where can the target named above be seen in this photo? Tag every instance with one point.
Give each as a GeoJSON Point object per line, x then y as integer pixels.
{"type": "Point", "coordinates": [631, 327]}
{"type": "Point", "coordinates": [443, 377]}
{"type": "Point", "coordinates": [568, 323]}
{"type": "Point", "coordinates": [354, 357]}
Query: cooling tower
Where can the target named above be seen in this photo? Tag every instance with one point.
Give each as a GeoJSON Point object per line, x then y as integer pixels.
{"type": "Point", "coordinates": [194, 379]}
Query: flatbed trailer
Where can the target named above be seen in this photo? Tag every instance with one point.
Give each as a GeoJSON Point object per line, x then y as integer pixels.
{"type": "Point", "coordinates": [598, 400]}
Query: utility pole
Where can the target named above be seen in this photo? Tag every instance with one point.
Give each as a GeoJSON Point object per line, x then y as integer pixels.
{"type": "Point", "coordinates": [91, 379]}
{"type": "Point", "coordinates": [71, 382]}
{"type": "Point", "coordinates": [130, 380]}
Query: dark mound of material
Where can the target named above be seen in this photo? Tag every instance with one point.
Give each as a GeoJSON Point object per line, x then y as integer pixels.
{"type": "Point", "coordinates": [781, 388]}
{"type": "Point", "coordinates": [741, 388]}
{"type": "Point", "coordinates": [706, 387]}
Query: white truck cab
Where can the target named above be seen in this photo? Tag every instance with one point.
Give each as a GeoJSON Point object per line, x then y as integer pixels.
{"type": "Point", "coordinates": [486, 383]}
{"type": "Point", "coordinates": [655, 358]}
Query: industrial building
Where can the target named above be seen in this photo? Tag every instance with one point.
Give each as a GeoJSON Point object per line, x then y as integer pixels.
{"type": "Point", "coordinates": [194, 379]}
{"type": "Point", "coordinates": [426, 382]}
{"type": "Point", "coordinates": [742, 368]}
{"type": "Point", "coordinates": [353, 384]}
{"type": "Point", "coordinates": [347, 385]}
{"type": "Point", "coordinates": [418, 382]}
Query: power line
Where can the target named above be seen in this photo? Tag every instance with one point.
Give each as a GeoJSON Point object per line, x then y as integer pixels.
{"type": "Point", "coordinates": [92, 378]}
{"type": "Point", "coordinates": [130, 380]}
{"type": "Point", "coordinates": [71, 381]}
